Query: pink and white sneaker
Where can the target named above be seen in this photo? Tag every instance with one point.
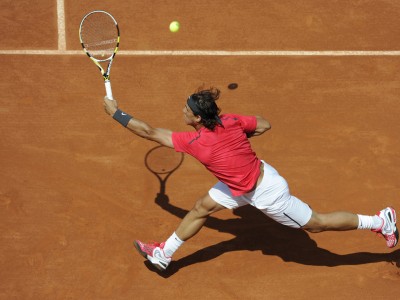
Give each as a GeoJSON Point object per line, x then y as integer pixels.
{"type": "Point", "coordinates": [388, 228]}
{"type": "Point", "coordinates": [154, 252]}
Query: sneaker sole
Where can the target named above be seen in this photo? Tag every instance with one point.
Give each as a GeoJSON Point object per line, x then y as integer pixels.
{"type": "Point", "coordinates": [395, 231]}
{"type": "Point", "coordinates": [144, 254]}
{"type": "Point", "coordinates": [137, 246]}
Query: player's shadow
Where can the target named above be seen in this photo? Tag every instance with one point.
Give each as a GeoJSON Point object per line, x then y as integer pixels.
{"type": "Point", "coordinates": [253, 231]}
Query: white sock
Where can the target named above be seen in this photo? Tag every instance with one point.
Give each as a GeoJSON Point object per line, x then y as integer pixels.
{"type": "Point", "coordinates": [172, 244]}
{"type": "Point", "coordinates": [369, 222]}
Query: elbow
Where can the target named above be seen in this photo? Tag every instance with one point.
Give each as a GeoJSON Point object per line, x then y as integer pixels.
{"type": "Point", "coordinates": [265, 129]}
{"type": "Point", "coordinates": [263, 124]}
{"type": "Point", "coordinates": [267, 126]}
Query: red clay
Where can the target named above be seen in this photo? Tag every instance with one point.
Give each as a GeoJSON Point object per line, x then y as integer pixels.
{"type": "Point", "coordinates": [75, 192]}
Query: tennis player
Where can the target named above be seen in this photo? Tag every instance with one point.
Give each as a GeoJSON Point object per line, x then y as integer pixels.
{"type": "Point", "coordinates": [221, 144]}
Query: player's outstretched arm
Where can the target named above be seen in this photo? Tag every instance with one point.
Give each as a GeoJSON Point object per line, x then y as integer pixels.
{"type": "Point", "coordinates": [138, 127]}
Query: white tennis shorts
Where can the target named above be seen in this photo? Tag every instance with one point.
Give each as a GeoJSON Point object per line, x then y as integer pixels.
{"type": "Point", "coordinates": [272, 197]}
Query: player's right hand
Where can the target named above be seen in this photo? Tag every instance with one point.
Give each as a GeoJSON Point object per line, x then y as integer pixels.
{"type": "Point", "coordinates": [110, 106]}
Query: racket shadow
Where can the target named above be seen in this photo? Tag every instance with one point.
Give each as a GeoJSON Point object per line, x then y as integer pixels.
{"type": "Point", "coordinates": [253, 231]}
{"type": "Point", "coordinates": [163, 162]}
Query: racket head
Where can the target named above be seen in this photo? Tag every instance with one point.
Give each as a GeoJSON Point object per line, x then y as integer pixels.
{"type": "Point", "coordinates": [99, 35]}
{"type": "Point", "coordinates": [163, 160]}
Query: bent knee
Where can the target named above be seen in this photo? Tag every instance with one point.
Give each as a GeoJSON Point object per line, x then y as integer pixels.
{"type": "Point", "coordinates": [206, 206]}
{"type": "Point", "coordinates": [315, 224]}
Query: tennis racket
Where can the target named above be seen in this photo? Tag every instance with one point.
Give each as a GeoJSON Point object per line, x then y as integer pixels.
{"type": "Point", "coordinates": [99, 35]}
{"type": "Point", "coordinates": [162, 162]}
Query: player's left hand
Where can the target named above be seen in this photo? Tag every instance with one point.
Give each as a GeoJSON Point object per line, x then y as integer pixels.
{"type": "Point", "coordinates": [110, 106]}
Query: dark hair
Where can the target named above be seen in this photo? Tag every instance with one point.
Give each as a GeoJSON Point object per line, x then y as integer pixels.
{"type": "Point", "coordinates": [206, 107]}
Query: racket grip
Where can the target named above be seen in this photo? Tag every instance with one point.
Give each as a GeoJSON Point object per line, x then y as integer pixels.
{"type": "Point", "coordinates": [107, 83]}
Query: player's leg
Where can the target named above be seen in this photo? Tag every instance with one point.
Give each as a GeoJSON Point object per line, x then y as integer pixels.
{"type": "Point", "coordinates": [218, 198]}
{"type": "Point", "coordinates": [196, 217]}
{"type": "Point", "coordinates": [334, 221]}
{"type": "Point", "coordinates": [160, 254]}
{"type": "Point", "coordinates": [273, 198]}
{"type": "Point", "coordinates": [296, 213]}
{"type": "Point", "coordinates": [384, 222]}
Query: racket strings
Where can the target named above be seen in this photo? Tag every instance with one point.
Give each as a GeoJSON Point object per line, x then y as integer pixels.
{"type": "Point", "coordinates": [99, 35]}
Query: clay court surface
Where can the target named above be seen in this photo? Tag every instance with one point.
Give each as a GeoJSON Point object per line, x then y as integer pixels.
{"type": "Point", "coordinates": [74, 188]}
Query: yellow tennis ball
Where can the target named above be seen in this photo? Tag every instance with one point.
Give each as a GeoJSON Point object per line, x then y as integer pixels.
{"type": "Point", "coordinates": [174, 26]}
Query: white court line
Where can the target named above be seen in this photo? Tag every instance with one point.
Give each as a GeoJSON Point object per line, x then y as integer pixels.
{"type": "Point", "coordinates": [206, 53]}
{"type": "Point", "coordinates": [62, 48]}
{"type": "Point", "coordinates": [62, 45]}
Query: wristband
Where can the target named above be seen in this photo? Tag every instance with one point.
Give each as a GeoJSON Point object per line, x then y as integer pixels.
{"type": "Point", "coordinates": [122, 117]}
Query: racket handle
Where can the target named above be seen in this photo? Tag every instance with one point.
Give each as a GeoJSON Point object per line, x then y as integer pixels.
{"type": "Point", "coordinates": [107, 83]}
